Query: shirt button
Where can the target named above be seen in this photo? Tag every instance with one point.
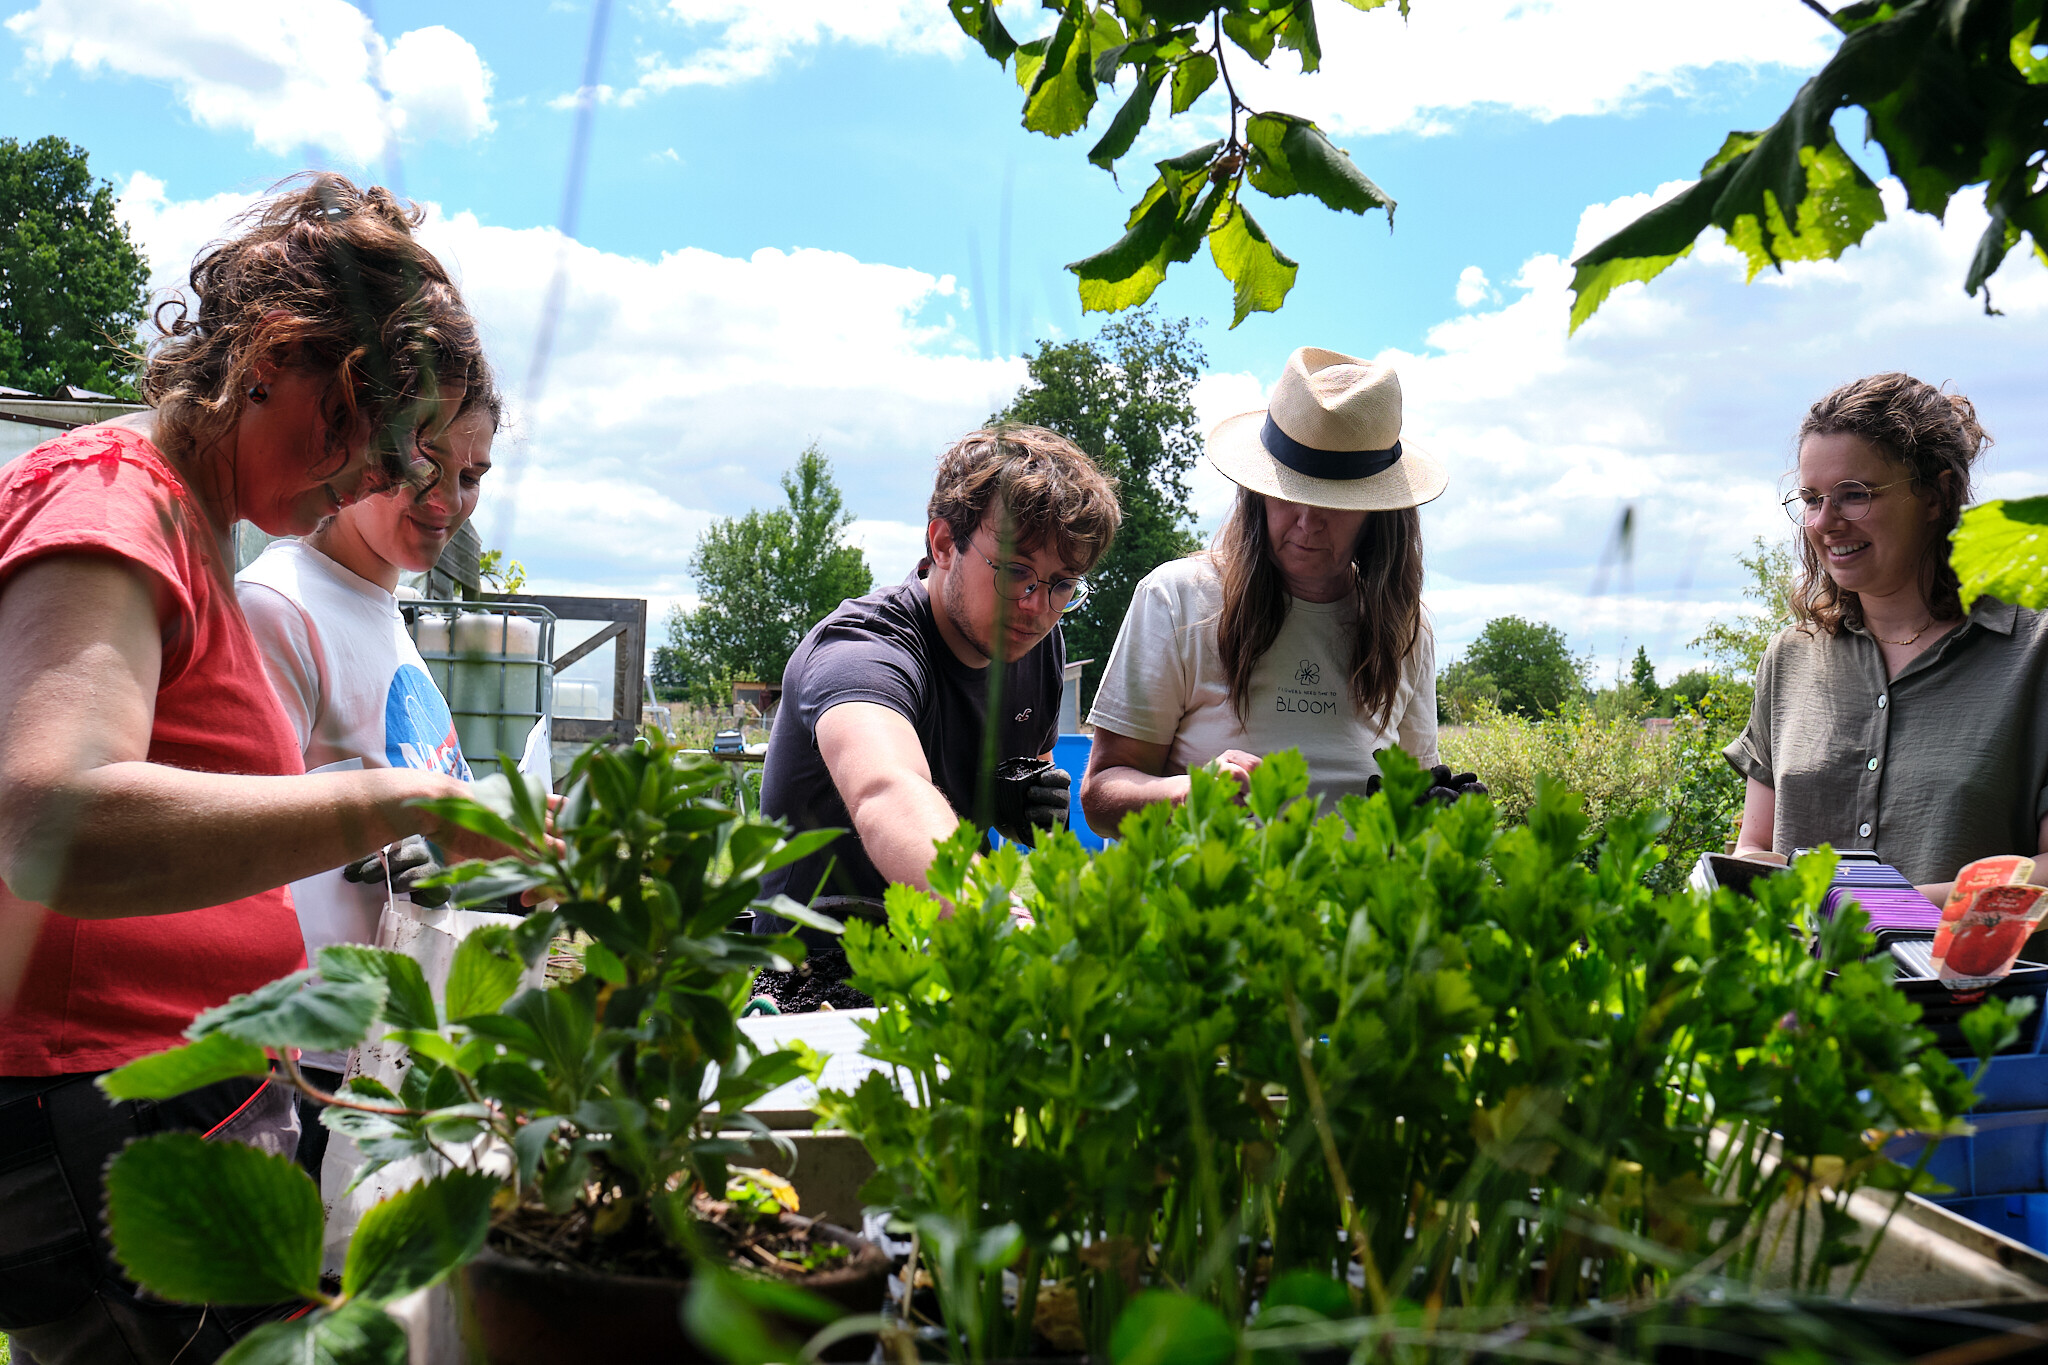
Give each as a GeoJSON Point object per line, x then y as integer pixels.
{"type": "Point", "coordinates": [1881, 701]}
{"type": "Point", "coordinates": [1872, 765]}
{"type": "Point", "coordinates": [1863, 830]}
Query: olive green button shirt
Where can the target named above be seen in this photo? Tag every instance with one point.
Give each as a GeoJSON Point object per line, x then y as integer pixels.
{"type": "Point", "coordinates": [1943, 764]}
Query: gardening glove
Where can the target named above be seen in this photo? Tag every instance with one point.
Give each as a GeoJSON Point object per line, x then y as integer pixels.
{"type": "Point", "coordinates": [1030, 795]}
{"type": "Point", "coordinates": [407, 863]}
{"type": "Point", "coordinates": [1446, 786]}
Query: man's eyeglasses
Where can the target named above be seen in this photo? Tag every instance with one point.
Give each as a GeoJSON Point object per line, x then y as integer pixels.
{"type": "Point", "coordinates": [1851, 499]}
{"type": "Point", "coordinates": [1018, 581]}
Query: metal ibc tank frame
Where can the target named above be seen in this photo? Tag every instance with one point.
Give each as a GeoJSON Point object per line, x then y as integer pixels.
{"type": "Point", "coordinates": [491, 661]}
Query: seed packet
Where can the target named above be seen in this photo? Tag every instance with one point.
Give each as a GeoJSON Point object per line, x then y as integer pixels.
{"type": "Point", "coordinates": [1989, 916]}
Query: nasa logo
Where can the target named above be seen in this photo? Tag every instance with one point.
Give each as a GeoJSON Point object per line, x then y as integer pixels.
{"type": "Point", "coordinates": [1309, 674]}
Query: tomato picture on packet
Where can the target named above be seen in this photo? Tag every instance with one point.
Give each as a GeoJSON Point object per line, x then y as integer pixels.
{"type": "Point", "coordinates": [1989, 916]}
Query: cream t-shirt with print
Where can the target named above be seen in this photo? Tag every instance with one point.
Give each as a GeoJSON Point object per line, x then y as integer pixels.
{"type": "Point", "coordinates": [1165, 684]}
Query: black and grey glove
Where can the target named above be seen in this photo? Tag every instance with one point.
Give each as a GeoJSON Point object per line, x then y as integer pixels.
{"type": "Point", "coordinates": [1030, 795]}
{"type": "Point", "coordinates": [407, 862]}
{"type": "Point", "coordinates": [1444, 785]}
{"type": "Point", "coordinates": [1447, 786]}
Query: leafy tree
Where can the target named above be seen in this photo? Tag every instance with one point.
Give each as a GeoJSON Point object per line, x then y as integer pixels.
{"type": "Point", "coordinates": [766, 579]}
{"type": "Point", "coordinates": [1690, 687]}
{"type": "Point", "coordinates": [1954, 91]}
{"type": "Point", "coordinates": [1642, 674]}
{"type": "Point", "coordinates": [1530, 663]}
{"type": "Point", "coordinates": [1737, 646]}
{"type": "Point", "coordinates": [73, 286]}
{"type": "Point", "coordinates": [1198, 195]}
{"type": "Point", "coordinates": [1125, 399]}
{"type": "Point", "coordinates": [1464, 694]}
{"type": "Point", "coordinates": [675, 671]}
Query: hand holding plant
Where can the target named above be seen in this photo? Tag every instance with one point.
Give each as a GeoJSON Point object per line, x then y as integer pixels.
{"type": "Point", "coordinates": [582, 1119]}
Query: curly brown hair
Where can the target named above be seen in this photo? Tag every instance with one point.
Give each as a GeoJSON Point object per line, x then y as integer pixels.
{"type": "Point", "coordinates": [1925, 433]}
{"type": "Point", "coordinates": [1045, 486]}
{"type": "Point", "coordinates": [325, 277]}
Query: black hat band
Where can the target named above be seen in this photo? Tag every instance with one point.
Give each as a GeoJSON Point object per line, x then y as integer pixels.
{"type": "Point", "coordinates": [1324, 464]}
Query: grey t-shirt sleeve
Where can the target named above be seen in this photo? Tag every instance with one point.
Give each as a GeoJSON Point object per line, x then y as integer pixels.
{"type": "Point", "coordinates": [1750, 753]}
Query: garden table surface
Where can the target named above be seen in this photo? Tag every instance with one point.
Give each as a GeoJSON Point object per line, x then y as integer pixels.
{"type": "Point", "coordinates": [836, 1033]}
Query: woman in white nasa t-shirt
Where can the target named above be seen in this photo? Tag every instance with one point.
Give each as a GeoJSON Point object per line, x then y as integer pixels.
{"type": "Point", "coordinates": [1302, 626]}
{"type": "Point", "coordinates": [325, 614]}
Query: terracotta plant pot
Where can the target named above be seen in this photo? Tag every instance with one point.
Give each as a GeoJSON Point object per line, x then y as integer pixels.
{"type": "Point", "coordinates": [517, 1312]}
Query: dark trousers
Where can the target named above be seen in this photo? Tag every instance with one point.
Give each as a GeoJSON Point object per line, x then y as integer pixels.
{"type": "Point", "coordinates": [63, 1298]}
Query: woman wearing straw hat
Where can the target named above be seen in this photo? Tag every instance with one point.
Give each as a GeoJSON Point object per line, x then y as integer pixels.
{"type": "Point", "coordinates": [1301, 627]}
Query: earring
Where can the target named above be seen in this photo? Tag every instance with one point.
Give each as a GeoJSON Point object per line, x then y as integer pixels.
{"type": "Point", "coordinates": [258, 392]}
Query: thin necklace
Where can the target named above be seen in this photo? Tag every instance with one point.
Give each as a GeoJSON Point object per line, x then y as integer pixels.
{"type": "Point", "coordinates": [1910, 638]}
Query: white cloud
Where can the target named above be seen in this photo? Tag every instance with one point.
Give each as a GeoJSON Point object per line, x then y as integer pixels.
{"type": "Point", "coordinates": [1473, 287]}
{"type": "Point", "coordinates": [754, 38]}
{"type": "Point", "coordinates": [1680, 399]}
{"type": "Point", "coordinates": [310, 73]}
{"type": "Point", "coordinates": [1544, 59]}
{"type": "Point", "coordinates": [682, 388]}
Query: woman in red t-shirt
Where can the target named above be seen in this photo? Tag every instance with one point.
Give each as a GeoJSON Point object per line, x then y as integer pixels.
{"type": "Point", "coordinates": [152, 800]}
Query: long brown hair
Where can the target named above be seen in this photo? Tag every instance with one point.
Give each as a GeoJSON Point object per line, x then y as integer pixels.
{"type": "Point", "coordinates": [326, 277]}
{"type": "Point", "coordinates": [1925, 433]}
{"type": "Point", "coordinates": [1387, 597]}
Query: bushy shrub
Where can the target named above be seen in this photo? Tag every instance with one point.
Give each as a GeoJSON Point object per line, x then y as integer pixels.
{"type": "Point", "coordinates": [1619, 766]}
{"type": "Point", "coordinates": [1615, 765]}
{"type": "Point", "coordinates": [1247, 1052]}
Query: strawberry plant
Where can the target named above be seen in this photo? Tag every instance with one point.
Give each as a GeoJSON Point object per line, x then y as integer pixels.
{"type": "Point", "coordinates": [587, 1114]}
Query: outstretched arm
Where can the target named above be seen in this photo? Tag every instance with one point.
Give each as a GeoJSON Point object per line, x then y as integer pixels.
{"type": "Point", "coordinates": [878, 765]}
{"type": "Point", "coordinates": [91, 829]}
{"type": "Point", "coordinates": [1125, 775]}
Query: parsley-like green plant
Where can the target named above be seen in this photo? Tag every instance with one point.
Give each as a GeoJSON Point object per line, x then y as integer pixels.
{"type": "Point", "coordinates": [598, 1103]}
{"type": "Point", "coordinates": [1256, 1070]}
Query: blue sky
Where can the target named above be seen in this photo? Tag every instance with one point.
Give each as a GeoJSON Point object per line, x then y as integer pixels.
{"type": "Point", "coordinates": [793, 229]}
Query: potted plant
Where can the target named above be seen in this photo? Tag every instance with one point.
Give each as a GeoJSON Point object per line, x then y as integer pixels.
{"type": "Point", "coordinates": [579, 1135]}
{"type": "Point", "coordinates": [1258, 1078]}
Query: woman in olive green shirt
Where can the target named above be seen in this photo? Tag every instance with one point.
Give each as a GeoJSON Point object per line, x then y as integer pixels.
{"type": "Point", "coordinates": [1886, 718]}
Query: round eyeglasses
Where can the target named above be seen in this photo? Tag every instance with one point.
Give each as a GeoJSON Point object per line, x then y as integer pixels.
{"type": "Point", "coordinates": [1851, 499]}
{"type": "Point", "coordinates": [1019, 581]}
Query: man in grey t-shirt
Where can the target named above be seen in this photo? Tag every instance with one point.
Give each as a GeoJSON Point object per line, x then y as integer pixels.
{"type": "Point", "coordinates": [886, 705]}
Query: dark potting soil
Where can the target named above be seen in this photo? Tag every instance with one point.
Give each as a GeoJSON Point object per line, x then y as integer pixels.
{"type": "Point", "coordinates": [818, 980]}
{"type": "Point", "coordinates": [570, 1243]}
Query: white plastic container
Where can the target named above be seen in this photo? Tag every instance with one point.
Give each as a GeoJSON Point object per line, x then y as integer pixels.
{"type": "Point", "coordinates": [495, 683]}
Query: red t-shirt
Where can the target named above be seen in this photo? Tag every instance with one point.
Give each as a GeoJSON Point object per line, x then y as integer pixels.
{"type": "Point", "coordinates": [98, 993]}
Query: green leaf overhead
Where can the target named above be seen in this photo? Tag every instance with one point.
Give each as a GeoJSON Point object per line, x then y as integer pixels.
{"type": "Point", "coordinates": [978, 19]}
{"type": "Point", "coordinates": [1290, 156]}
{"type": "Point", "coordinates": [1191, 77]}
{"type": "Point", "coordinates": [417, 1236]}
{"type": "Point", "coordinates": [1166, 227]}
{"type": "Point", "coordinates": [1261, 274]}
{"type": "Point", "coordinates": [178, 1210]}
{"type": "Point", "coordinates": [1062, 89]}
{"type": "Point", "coordinates": [2001, 549]}
{"type": "Point", "coordinates": [1187, 46]}
{"type": "Point", "coordinates": [1951, 93]}
{"type": "Point", "coordinates": [161, 1075]}
{"type": "Point", "coordinates": [1130, 120]}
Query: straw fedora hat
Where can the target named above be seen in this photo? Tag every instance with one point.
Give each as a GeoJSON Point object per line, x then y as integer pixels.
{"type": "Point", "coordinates": [1330, 436]}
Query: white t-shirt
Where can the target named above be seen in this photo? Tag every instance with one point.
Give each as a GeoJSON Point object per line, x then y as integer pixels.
{"type": "Point", "coordinates": [351, 679]}
{"type": "Point", "coordinates": [1165, 684]}
{"type": "Point", "coordinates": [354, 687]}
